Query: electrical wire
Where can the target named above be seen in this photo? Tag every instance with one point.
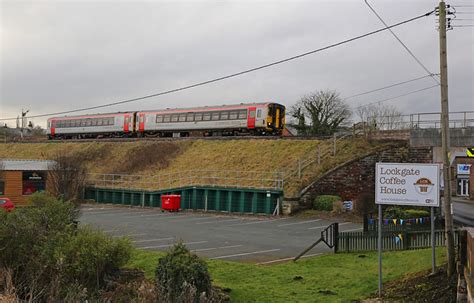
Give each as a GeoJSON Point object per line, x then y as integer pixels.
{"type": "Point", "coordinates": [396, 97]}
{"type": "Point", "coordinates": [231, 75]}
{"type": "Point", "coordinates": [403, 44]}
{"type": "Point", "coordinates": [385, 87]}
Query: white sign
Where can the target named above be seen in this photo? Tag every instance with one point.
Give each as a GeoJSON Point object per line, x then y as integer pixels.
{"type": "Point", "coordinates": [464, 169]}
{"type": "Point", "coordinates": [407, 184]}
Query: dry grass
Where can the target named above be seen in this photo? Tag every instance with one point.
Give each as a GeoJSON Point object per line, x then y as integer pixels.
{"type": "Point", "coordinates": [158, 158]}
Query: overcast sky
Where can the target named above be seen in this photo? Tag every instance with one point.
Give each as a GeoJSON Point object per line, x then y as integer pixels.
{"type": "Point", "coordinates": [62, 55]}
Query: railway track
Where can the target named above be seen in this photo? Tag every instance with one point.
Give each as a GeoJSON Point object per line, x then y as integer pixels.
{"type": "Point", "coordinates": [167, 139]}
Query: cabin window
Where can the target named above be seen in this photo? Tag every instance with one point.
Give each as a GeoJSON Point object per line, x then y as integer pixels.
{"type": "Point", "coordinates": [174, 118]}
{"type": "Point", "coordinates": [243, 114]}
{"type": "Point", "coordinates": [224, 115]}
{"type": "Point", "coordinates": [198, 117]}
{"type": "Point", "coordinates": [166, 118]}
{"type": "Point", "coordinates": [190, 117]}
{"type": "Point", "coordinates": [215, 116]}
{"type": "Point", "coordinates": [182, 118]}
{"type": "Point", "coordinates": [233, 115]}
{"type": "Point", "coordinates": [206, 116]}
{"type": "Point", "coordinates": [88, 122]}
{"type": "Point", "coordinates": [159, 118]}
{"type": "Point", "coordinates": [111, 121]}
{"type": "Point", "coordinates": [33, 181]}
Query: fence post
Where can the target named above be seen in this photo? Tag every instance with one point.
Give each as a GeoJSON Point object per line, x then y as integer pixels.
{"type": "Point", "coordinates": [336, 237]}
{"type": "Point", "coordinates": [406, 241]}
{"type": "Point", "coordinates": [334, 145]}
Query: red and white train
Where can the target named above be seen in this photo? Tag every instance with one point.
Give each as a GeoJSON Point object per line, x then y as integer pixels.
{"type": "Point", "coordinates": [226, 120]}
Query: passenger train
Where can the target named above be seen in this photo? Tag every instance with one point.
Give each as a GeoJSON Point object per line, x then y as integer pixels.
{"type": "Point", "coordinates": [226, 120]}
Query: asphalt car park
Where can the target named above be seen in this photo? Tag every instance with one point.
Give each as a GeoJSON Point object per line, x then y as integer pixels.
{"type": "Point", "coordinates": [213, 235]}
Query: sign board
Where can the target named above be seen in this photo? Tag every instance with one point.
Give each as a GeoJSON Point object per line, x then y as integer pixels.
{"type": "Point", "coordinates": [464, 169]}
{"type": "Point", "coordinates": [407, 184]}
{"type": "Point", "coordinates": [470, 152]}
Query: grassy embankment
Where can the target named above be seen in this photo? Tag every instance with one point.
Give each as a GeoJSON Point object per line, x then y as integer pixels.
{"type": "Point", "coordinates": [326, 278]}
{"type": "Point", "coordinates": [157, 158]}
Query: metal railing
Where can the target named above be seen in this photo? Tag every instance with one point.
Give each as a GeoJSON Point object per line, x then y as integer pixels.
{"type": "Point", "coordinates": [460, 119]}
{"type": "Point", "coordinates": [237, 179]}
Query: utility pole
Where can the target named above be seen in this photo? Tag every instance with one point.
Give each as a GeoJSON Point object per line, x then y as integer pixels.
{"type": "Point", "coordinates": [448, 217]}
{"type": "Point", "coordinates": [23, 121]}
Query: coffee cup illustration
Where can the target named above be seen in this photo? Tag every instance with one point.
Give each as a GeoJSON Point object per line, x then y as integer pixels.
{"type": "Point", "coordinates": [423, 185]}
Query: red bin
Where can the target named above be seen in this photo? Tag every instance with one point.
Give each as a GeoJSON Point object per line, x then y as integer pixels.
{"type": "Point", "coordinates": [170, 202]}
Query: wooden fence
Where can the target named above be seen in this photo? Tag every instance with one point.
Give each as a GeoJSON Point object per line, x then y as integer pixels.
{"type": "Point", "coordinates": [360, 241]}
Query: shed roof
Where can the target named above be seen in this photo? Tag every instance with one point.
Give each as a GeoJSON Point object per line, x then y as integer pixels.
{"type": "Point", "coordinates": [11, 164]}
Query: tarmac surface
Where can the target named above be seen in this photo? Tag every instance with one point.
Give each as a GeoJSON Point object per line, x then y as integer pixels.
{"type": "Point", "coordinates": [248, 238]}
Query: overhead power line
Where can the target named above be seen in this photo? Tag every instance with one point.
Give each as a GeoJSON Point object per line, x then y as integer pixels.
{"type": "Point", "coordinates": [403, 44]}
{"type": "Point", "coordinates": [396, 97]}
{"type": "Point", "coordinates": [231, 75]}
{"type": "Point", "coordinates": [385, 87]}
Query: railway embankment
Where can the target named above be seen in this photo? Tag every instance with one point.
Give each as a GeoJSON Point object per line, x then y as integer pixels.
{"type": "Point", "coordinates": [297, 163]}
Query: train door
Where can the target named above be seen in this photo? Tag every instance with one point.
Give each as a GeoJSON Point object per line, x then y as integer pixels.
{"type": "Point", "coordinates": [251, 117]}
{"type": "Point", "coordinates": [53, 127]}
{"type": "Point", "coordinates": [126, 124]}
{"type": "Point", "coordinates": [141, 122]}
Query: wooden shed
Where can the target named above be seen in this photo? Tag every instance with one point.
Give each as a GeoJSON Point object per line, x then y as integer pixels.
{"type": "Point", "coordinates": [21, 178]}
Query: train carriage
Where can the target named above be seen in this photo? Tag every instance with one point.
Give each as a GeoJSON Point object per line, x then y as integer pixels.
{"type": "Point", "coordinates": [91, 126]}
{"type": "Point", "coordinates": [242, 119]}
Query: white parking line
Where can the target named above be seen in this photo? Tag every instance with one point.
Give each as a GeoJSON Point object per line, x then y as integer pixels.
{"type": "Point", "coordinates": [221, 221]}
{"type": "Point", "coordinates": [168, 245]}
{"type": "Point", "coordinates": [153, 240]}
{"type": "Point", "coordinates": [288, 259]}
{"type": "Point", "coordinates": [130, 235]}
{"type": "Point", "coordinates": [259, 222]}
{"type": "Point", "coordinates": [304, 222]}
{"type": "Point", "coordinates": [319, 227]}
{"type": "Point", "coordinates": [246, 254]}
{"type": "Point", "coordinates": [214, 248]}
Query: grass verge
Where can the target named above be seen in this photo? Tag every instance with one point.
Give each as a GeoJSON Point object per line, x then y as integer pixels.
{"type": "Point", "coordinates": [326, 278]}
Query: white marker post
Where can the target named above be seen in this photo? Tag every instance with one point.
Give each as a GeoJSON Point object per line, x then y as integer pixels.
{"type": "Point", "coordinates": [406, 184]}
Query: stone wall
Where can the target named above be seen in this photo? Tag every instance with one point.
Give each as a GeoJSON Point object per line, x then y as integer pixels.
{"type": "Point", "coordinates": [356, 178]}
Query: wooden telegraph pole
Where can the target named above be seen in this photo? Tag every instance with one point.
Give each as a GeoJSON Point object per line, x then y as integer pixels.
{"type": "Point", "coordinates": [445, 138]}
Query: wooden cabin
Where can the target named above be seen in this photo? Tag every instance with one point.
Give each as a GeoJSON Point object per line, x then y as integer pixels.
{"type": "Point", "coordinates": [19, 179]}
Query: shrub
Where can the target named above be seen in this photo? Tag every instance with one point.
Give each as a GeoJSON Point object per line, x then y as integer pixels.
{"type": "Point", "coordinates": [181, 276]}
{"type": "Point", "coordinates": [48, 256]}
{"type": "Point", "coordinates": [416, 213]}
{"type": "Point", "coordinates": [400, 213]}
{"type": "Point", "coordinates": [325, 202]}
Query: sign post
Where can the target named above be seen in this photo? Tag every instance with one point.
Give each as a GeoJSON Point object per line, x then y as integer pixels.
{"type": "Point", "coordinates": [406, 184]}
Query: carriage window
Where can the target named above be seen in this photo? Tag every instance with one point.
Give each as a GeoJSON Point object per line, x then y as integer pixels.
{"type": "Point", "coordinates": [49, 124]}
{"type": "Point", "coordinates": [206, 116]}
{"type": "Point", "coordinates": [182, 117]}
{"type": "Point", "coordinates": [174, 118]}
{"type": "Point", "coordinates": [215, 116]}
{"type": "Point", "coordinates": [159, 118]}
{"type": "Point", "coordinates": [166, 118]}
{"type": "Point", "coordinates": [88, 122]}
{"type": "Point", "coordinates": [190, 117]}
{"type": "Point", "coordinates": [233, 115]}
{"type": "Point", "coordinates": [243, 114]}
{"type": "Point", "coordinates": [99, 122]}
{"type": "Point", "coordinates": [60, 124]}
{"type": "Point", "coordinates": [111, 121]}
{"type": "Point", "coordinates": [259, 113]}
{"type": "Point", "coordinates": [198, 117]}
{"type": "Point", "coordinates": [224, 115]}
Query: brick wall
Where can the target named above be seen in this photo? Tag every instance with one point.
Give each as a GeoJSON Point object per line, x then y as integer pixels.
{"type": "Point", "coordinates": [357, 177]}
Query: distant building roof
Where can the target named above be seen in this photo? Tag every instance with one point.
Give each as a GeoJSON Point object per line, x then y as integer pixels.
{"type": "Point", "coordinates": [11, 164]}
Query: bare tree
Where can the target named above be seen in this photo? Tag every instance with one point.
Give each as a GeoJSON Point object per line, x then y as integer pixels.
{"type": "Point", "coordinates": [67, 176]}
{"type": "Point", "coordinates": [325, 111]}
{"type": "Point", "coordinates": [380, 116]}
